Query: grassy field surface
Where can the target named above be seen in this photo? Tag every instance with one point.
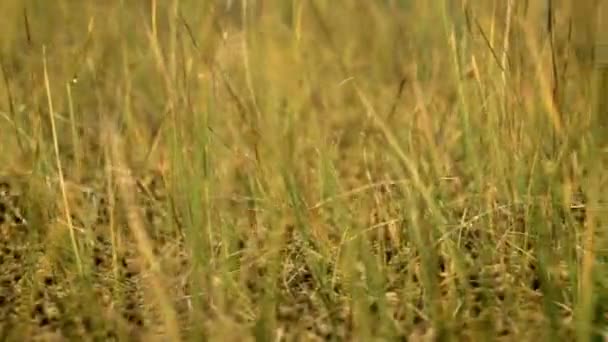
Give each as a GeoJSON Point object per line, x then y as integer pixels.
{"type": "Point", "coordinates": [302, 170]}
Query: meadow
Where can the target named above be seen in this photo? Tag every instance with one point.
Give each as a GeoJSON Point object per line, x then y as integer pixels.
{"type": "Point", "coordinates": [303, 170]}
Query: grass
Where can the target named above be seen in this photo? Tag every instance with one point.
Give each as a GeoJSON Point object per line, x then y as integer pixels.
{"type": "Point", "coordinates": [298, 170]}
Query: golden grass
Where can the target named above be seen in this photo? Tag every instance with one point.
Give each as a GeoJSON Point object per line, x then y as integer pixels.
{"type": "Point", "coordinates": [299, 170]}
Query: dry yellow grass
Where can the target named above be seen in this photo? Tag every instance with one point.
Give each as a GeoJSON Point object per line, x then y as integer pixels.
{"type": "Point", "coordinates": [299, 170]}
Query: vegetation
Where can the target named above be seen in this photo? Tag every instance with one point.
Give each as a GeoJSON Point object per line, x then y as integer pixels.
{"type": "Point", "coordinates": [298, 170]}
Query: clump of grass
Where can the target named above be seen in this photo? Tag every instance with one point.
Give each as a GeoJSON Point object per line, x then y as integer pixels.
{"type": "Point", "coordinates": [301, 170]}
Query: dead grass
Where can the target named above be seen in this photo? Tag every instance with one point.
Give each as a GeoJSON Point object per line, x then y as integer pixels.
{"type": "Point", "coordinates": [301, 170]}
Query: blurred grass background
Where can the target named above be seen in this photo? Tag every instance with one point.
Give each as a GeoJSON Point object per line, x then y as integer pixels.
{"type": "Point", "coordinates": [303, 170]}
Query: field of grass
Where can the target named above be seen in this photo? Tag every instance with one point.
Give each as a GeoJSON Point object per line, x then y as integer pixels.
{"type": "Point", "coordinates": [298, 170]}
